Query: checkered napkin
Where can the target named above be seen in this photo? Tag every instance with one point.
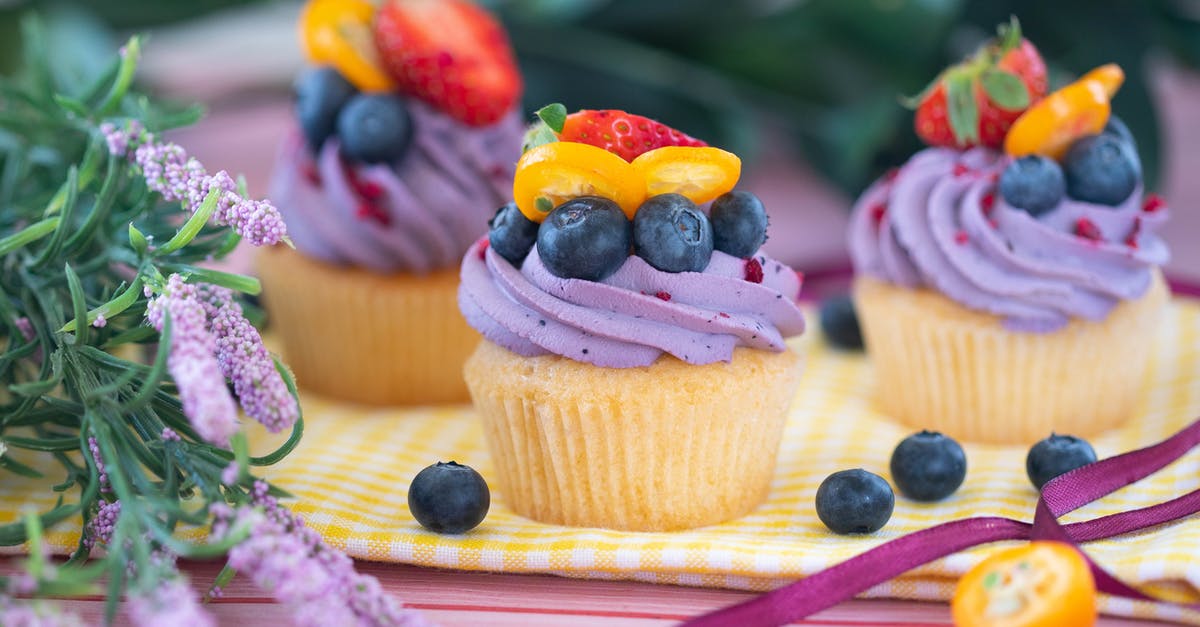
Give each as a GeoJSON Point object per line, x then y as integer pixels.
{"type": "Point", "coordinates": [352, 469]}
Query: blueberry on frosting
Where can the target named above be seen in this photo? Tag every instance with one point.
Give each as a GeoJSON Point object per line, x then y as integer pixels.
{"type": "Point", "coordinates": [672, 235]}
{"type": "Point", "coordinates": [1033, 183]}
{"type": "Point", "coordinates": [585, 238]}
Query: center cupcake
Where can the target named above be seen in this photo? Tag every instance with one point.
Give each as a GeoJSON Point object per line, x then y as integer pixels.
{"type": "Point", "coordinates": [635, 374]}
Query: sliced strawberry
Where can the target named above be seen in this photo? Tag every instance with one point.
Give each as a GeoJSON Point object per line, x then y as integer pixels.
{"type": "Point", "coordinates": [975, 102]}
{"type": "Point", "coordinates": [451, 54]}
{"type": "Point", "coordinates": [623, 134]}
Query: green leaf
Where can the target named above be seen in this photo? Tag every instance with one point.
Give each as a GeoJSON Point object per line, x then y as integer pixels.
{"type": "Point", "coordinates": [54, 245]}
{"type": "Point", "coordinates": [43, 444]}
{"type": "Point", "coordinates": [15, 533]}
{"type": "Point", "coordinates": [77, 108]}
{"type": "Point", "coordinates": [1005, 89]}
{"type": "Point", "coordinates": [554, 115]}
{"type": "Point", "coordinates": [158, 370]}
{"type": "Point", "coordinates": [119, 303]}
{"type": "Point", "coordinates": [222, 580]}
{"type": "Point", "coordinates": [17, 468]}
{"type": "Point", "coordinates": [100, 208]}
{"type": "Point", "coordinates": [131, 335]}
{"type": "Point", "coordinates": [192, 227]}
{"type": "Point", "coordinates": [120, 85]}
{"type": "Point", "coordinates": [232, 239]}
{"type": "Point", "coordinates": [962, 108]}
{"type": "Point", "coordinates": [137, 240]}
{"type": "Point", "coordinates": [241, 454]}
{"type": "Point", "coordinates": [1008, 36]}
{"type": "Point", "coordinates": [79, 301]}
{"type": "Point", "coordinates": [27, 235]}
{"type": "Point", "coordinates": [237, 282]}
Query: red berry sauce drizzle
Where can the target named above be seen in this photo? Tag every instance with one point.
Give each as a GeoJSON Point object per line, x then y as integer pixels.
{"type": "Point", "coordinates": [1132, 240]}
{"type": "Point", "coordinates": [308, 169]}
{"type": "Point", "coordinates": [370, 195]}
{"type": "Point", "coordinates": [1153, 203]}
{"type": "Point", "coordinates": [1088, 230]}
{"type": "Point", "coordinates": [754, 270]}
{"type": "Point", "coordinates": [878, 212]}
{"type": "Point", "coordinates": [1059, 497]}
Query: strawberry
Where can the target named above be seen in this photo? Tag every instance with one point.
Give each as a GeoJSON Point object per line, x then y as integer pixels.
{"type": "Point", "coordinates": [623, 134]}
{"type": "Point", "coordinates": [975, 102]}
{"type": "Point", "coordinates": [451, 54]}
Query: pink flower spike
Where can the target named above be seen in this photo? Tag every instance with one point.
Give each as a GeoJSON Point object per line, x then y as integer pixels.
{"type": "Point", "coordinates": [173, 602]}
{"type": "Point", "coordinates": [290, 561]}
{"type": "Point", "coordinates": [191, 362]}
{"type": "Point", "coordinates": [247, 363]}
{"type": "Point", "coordinates": [169, 171]}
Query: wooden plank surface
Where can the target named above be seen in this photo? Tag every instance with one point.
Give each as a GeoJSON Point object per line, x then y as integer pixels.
{"type": "Point", "coordinates": [460, 599]}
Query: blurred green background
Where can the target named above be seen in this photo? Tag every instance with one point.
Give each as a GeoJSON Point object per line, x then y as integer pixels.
{"type": "Point", "coordinates": [825, 73]}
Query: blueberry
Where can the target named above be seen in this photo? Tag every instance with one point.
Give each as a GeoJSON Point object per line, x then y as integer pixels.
{"type": "Point", "coordinates": [585, 238]}
{"type": "Point", "coordinates": [449, 498]}
{"type": "Point", "coordinates": [855, 501]}
{"type": "Point", "coordinates": [671, 234]}
{"type": "Point", "coordinates": [374, 128]}
{"type": "Point", "coordinates": [739, 223]}
{"type": "Point", "coordinates": [1117, 128]}
{"type": "Point", "coordinates": [1034, 183]}
{"type": "Point", "coordinates": [1101, 169]}
{"type": "Point", "coordinates": [320, 95]}
{"type": "Point", "coordinates": [511, 234]}
{"type": "Point", "coordinates": [839, 323]}
{"type": "Point", "coordinates": [928, 466]}
{"type": "Point", "coordinates": [1056, 455]}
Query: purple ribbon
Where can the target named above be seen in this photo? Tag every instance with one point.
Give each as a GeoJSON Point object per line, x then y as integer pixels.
{"type": "Point", "coordinates": [1060, 496]}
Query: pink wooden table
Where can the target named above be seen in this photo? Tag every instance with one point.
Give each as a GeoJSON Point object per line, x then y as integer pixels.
{"type": "Point", "coordinates": [459, 599]}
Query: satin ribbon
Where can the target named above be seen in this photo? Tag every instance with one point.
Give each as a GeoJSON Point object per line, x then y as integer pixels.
{"type": "Point", "coordinates": [1060, 496]}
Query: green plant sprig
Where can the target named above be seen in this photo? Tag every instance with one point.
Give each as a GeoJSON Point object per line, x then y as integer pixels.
{"type": "Point", "coordinates": [80, 371]}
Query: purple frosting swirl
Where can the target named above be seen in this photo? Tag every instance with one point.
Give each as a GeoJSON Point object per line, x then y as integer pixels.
{"type": "Point", "coordinates": [633, 316]}
{"type": "Point", "coordinates": [431, 205]}
{"type": "Point", "coordinates": [940, 223]}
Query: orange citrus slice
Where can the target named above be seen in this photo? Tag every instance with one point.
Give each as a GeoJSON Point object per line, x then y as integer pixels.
{"type": "Point", "coordinates": [1056, 121]}
{"type": "Point", "coordinates": [699, 173]}
{"type": "Point", "coordinates": [553, 173]}
{"type": "Point", "coordinates": [1110, 75]}
{"type": "Point", "coordinates": [1040, 584]}
{"type": "Point", "coordinates": [338, 33]}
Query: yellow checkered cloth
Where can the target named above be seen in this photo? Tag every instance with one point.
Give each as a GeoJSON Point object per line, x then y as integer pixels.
{"type": "Point", "coordinates": [352, 470]}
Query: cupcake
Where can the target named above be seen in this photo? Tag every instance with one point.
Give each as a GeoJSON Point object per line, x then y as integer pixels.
{"type": "Point", "coordinates": [1008, 277]}
{"type": "Point", "coordinates": [634, 373]}
{"type": "Point", "coordinates": [392, 165]}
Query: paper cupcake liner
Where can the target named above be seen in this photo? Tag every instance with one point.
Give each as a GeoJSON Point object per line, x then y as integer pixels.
{"type": "Point", "coordinates": [355, 335]}
{"type": "Point", "coordinates": [665, 447]}
{"type": "Point", "coordinates": [943, 367]}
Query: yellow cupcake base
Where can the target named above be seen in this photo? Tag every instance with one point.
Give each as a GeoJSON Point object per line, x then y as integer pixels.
{"type": "Point", "coordinates": [944, 367]}
{"type": "Point", "coordinates": [379, 339]}
{"type": "Point", "coordinates": [664, 447]}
